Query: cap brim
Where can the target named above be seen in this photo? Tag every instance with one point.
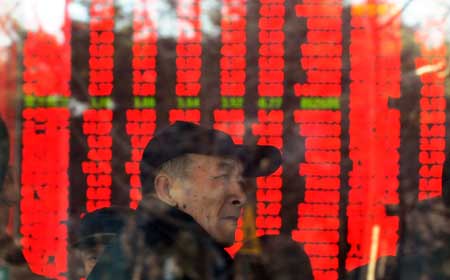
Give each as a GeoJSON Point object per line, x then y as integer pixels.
{"type": "Point", "coordinates": [90, 241]}
{"type": "Point", "coordinates": [259, 160]}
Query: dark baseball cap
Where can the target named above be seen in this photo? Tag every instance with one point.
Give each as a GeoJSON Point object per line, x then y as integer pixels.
{"type": "Point", "coordinates": [183, 138]}
{"type": "Point", "coordinates": [100, 226]}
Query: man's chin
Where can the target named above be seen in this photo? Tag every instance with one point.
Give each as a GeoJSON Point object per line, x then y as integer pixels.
{"type": "Point", "coordinates": [226, 239]}
{"type": "Point", "coordinates": [226, 242]}
{"type": "Point", "coordinates": [224, 232]}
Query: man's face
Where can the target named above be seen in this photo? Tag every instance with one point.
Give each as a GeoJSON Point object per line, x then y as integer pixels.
{"type": "Point", "coordinates": [212, 194]}
{"type": "Point", "coordinates": [89, 257]}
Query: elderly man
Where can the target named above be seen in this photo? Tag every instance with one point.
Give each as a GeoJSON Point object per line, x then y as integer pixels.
{"type": "Point", "coordinates": [192, 186]}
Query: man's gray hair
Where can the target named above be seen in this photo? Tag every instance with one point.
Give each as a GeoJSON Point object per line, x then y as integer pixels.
{"type": "Point", "coordinates": [177, 167]}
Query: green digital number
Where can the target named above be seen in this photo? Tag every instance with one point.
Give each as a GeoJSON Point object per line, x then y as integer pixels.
{"type": "Point", "coordinates": [144, 102]}
{"type": "Point", "coordinates": [270, 102]}
{"type": "Point", "coordinates": [188, 102]}
{"type": "Point", "coordinates": [320, 103]}
{"type": "Point", "coordinates": [51, 101]}
{"type": "Point", "coordinates": [101, 102]}
{"type": "Point", "coordinates": [234, 102]}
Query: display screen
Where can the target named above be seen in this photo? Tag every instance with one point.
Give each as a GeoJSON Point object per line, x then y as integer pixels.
{"type": "Point", "coordinates": [353, 93]}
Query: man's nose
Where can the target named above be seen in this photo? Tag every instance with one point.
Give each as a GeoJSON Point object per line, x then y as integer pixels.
{"type": "Point", "coordinates": [239, 197]}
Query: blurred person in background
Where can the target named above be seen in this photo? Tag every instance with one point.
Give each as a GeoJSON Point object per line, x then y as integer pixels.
{"type": "Point", "coordinates": [94, 232]}
{"type": "Point", "coordinates": [13, 265]}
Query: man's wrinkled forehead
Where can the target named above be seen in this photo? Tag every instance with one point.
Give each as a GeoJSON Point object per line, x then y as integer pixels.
{"type": "Point", "coordinates": [229, 165]}
{"type": "Point", "coordinates": [218, 163]}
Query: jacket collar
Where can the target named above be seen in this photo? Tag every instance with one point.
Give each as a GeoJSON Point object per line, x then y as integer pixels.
{"type": "Point", "coordinates": [160, 220]}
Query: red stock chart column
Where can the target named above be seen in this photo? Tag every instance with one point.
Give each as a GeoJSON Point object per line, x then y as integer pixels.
{"type": "Point", "coordinates": [319, 120]}
{"type": "Point", "coordinates": [45, 151]}
{"type": "Point", "coordinates": [141, 119]}
{"type": "Point", "coordinates": [97, 121]}
{"type": "Point", "coordinates": [430, 67]}
{"type": "Point", "coordinates": [269, 127]}
{"type": "Point", "coordinates": [188, 62]}
{"type": "Point", "coordinates": [374, 131]}
{"type": "Point", "coordinates": [230, 116]}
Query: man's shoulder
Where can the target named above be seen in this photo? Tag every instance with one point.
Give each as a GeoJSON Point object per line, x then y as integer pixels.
{"type": "Point", "coordinates": [162, 241]}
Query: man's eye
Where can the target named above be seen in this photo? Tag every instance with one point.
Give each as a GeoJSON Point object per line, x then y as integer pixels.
{"type": "Point", "coordinates": [241, 182]}
{"type": "Point", "coordinates": [221, 176]}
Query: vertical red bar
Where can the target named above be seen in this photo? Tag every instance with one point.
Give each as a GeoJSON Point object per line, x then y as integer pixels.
{"type": "Point", "coordinates": [374, 130]}
{"type": "Point", "coordinates": [188, 62]}
{"type": "Point", "coordinates": [97, 121]}
{"type": "Point", "coordinates": [319, 120]}
{"type": "Point", "coordinates": [45, 151]}
{"type": "Point", "coordinates": [269, 127]}
{"type": "Point", "coordinates": [231, 116]}
{"type": "Point", "coordinates": [141, 119]}
{"type": "Point", "coordinates": [430, 67]}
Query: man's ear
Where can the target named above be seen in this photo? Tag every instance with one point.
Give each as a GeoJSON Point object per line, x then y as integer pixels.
{"type": "Point", "coordinates": [163, 184]}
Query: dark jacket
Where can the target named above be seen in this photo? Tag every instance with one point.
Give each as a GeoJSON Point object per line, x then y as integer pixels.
{"type": "Point", "coordinates": [163, 243]}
